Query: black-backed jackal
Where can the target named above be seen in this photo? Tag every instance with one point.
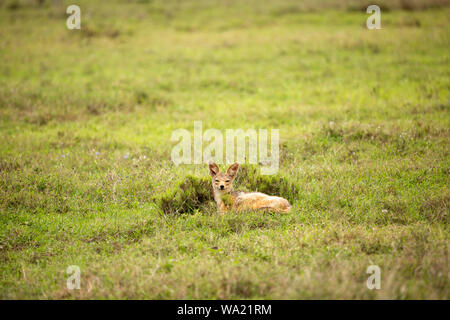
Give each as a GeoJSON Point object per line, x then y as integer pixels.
{"type": "Point", "coordinates": [226, 198]}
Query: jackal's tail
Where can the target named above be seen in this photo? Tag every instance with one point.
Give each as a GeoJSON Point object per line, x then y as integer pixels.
{"type": "Point", "coordinates": [284, 209]}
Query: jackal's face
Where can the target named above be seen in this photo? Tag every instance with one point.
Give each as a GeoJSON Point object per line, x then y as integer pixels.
{"type": "Point", "coordinates": [222, 182]}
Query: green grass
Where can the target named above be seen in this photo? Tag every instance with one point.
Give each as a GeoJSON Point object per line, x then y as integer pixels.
{"type": "Point", "coordinates": [364, 153]}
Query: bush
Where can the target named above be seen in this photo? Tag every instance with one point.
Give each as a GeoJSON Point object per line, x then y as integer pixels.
{"type": "Point", "coordinates": [248, 179]}
{"type": "Point", "coordinates": [188, 196]}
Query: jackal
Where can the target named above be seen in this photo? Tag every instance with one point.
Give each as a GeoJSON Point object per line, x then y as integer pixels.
{"type": "Point", "coordinates": [226, 198]}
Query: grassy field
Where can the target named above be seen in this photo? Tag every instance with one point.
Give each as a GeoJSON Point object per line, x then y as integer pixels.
{"type": "Point", "coordinates": [86, 176]}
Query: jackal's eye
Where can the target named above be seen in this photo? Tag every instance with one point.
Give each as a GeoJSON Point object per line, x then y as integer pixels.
{"type": "Point", "coordinates": [217, 180]}
{"type": "Point", "coordinates": [227, 181]}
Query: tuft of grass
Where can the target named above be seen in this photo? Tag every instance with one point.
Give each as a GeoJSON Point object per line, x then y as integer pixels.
{"type": "Point", "coordinates": [189, 195]}
{"type": "Point", "coordinates": [249, 180]}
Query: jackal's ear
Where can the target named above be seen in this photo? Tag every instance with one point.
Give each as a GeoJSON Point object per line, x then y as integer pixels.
{"type": "Point", "coordinates": [233, 169]}
{"type": "Point", "coordinates": [213, 169]}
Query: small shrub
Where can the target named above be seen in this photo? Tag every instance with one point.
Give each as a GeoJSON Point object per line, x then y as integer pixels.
{"type": "Point", "coordinates": [188, 196]}
{"type": "Point", "coordinates": [248, 179]}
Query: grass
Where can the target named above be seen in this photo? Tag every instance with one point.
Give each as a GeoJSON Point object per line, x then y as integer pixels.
{"type": "Point", "coordinates": [86, 177]}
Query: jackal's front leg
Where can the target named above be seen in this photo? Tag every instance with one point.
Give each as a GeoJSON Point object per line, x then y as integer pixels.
{"type": "Point", "coordinates": [221, 207]}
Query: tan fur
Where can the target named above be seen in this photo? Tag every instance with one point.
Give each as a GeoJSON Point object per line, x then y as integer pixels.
{"type": "Point", "coordinates": [241, 201]}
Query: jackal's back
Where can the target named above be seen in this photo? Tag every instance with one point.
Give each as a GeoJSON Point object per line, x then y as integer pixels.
{"type": "Point", "coordinates": [256, 200]}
